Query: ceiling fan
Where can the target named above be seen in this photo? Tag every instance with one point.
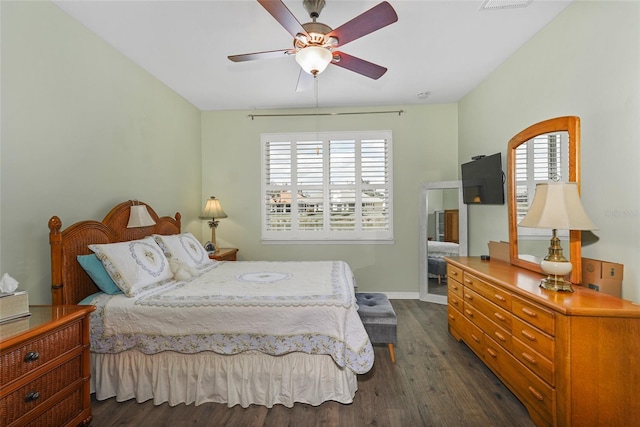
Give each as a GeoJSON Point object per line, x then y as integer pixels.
{"type": "Point", "coordinates": [315, 43]}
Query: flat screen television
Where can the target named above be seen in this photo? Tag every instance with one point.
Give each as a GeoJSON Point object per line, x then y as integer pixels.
{"type": "Point", "coordinates": [483, 181]}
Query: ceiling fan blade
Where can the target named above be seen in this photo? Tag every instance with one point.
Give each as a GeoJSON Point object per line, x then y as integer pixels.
{"type": "Point", "coordinates": [358, 65]}
{"type": "Point", "coordinates": [305, 81]}
{"type": "Point", "coordinates": [283, 15]}
{"type": "Point", "coordinates": [372, 20]}
{"type": "Point", "coordinates": [261, 55]}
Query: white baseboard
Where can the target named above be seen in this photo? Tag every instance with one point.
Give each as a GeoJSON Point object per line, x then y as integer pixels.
{"type": "Point", "coordinates": [402, 295]}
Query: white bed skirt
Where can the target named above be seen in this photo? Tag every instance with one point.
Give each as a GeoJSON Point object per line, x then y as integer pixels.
{"type": "Point", "coordinates": [242, 379]}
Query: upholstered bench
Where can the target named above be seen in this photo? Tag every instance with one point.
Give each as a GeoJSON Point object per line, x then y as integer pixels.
{"type": "Point", "coordinates": [379, 319]}
{"type": "Point", "coordinates": [438, 267]}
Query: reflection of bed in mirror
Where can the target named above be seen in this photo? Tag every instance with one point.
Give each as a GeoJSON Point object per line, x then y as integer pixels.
{"type": "Point", "coordinates": [436, 251]}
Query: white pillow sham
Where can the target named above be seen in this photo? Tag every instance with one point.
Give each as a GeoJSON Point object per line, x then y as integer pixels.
{"type": "Point", "coordinates": [184, 248]}
{"type": "Point", "coordinates": [135, 265]}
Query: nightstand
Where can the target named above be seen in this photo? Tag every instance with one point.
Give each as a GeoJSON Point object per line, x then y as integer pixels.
{"type": "Point", "coordinates": [224, 254]}
{"type": "Point", "coordinates": [45, 367]}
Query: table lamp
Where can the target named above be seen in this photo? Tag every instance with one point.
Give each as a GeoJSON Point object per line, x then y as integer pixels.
{"type": "Point", "coordinates": [556, 205]}
{"type": "Point", "coordinates": [139, 216]}
{"type": "Point", "coordinates": [212, 211]}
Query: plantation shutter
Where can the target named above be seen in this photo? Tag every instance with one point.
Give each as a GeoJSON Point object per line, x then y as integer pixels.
{"type": "Point", "coordinates": [327, 186]}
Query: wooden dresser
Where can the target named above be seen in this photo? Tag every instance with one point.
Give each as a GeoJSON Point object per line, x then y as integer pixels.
{"type": "Point", "coordinates": [573, 359]}
{"type": "Point", "coordinates": [45, 368]}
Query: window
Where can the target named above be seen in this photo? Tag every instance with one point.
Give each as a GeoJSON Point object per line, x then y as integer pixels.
{"type": "Point", "coordinates": [327, 186]}
{"type": "Point", "coordinates": [542, 159]}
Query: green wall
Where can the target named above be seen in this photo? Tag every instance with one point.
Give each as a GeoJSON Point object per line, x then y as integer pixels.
{"type": "Point", "coordinates": [83, 129]}
{"type": "Point", "coordinates": [424, 150]}
{"type": "Point", "coordinates": [585, 63]}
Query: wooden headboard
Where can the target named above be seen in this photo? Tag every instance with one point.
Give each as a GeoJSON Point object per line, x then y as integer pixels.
{"type": "Point", "coordinates": [69, 282]}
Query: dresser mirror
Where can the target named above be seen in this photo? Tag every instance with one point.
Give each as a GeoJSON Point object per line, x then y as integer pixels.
{"type": "Point", "coordinates": [443, 232]}
{"type": "Point", "coordinates": [546, 151]}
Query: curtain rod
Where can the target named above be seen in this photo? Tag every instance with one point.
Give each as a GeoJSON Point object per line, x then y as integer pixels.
{"type": "Point", "coordinates": [398, 112]}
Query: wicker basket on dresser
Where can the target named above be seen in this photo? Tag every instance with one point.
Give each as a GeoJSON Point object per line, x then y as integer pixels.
{"type": "Point", "coordinates": [571, 358]}
{"type": "Point", "coordinates": [45, 368]}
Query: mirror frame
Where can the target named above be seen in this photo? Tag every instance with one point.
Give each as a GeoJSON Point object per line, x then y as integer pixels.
{"type": "Point", "coordinates": [571, 125]}
{"type": "Point", "coordinates": [424, 294]}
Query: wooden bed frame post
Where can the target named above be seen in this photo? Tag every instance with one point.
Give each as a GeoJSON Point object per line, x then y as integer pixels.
{"type": "Point", "coordinates": [55, 240]}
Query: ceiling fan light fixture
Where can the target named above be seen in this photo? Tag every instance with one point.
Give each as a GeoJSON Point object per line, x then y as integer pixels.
{"type": "Point", "coordinates": [314, 59]}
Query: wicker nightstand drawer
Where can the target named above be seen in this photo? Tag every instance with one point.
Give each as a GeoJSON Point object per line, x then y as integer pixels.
{"type": "Point", "coordinates": [22, 360]}
{"type": "Point", "coordinates": [44, 369]}
{"type": "Point", "coordinates": [38, 391]}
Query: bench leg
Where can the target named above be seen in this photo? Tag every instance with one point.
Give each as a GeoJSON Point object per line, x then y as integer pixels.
{"type": "Point", "coordinates": [392, 353]}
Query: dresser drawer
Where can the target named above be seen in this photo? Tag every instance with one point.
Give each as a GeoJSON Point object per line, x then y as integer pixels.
{"type": "Point", "coordinates": [27, 357]}
{"type": "Point", "coordinates": [534, 338]}
{"type": "Point", "coordinates": [455, 287]}
{"type": "Point", "coordinates": [36, 393]}
{"type": "Point", "coordinates": [454, 321]}
{"type": "Point", "coordinates": [498, 315]}
{"type": "Point", "coordinates": [473, 336]}
{"type": "Point", "coordinates": [494, 294]}
{"type": "Point", "coordinates": [534, 314]}
{"type": "Point", "coordinates": [491, 329]}
{"type": "Point", "coordinates": [454, 273]}
{"type": "Point", "coordinates": [528, 387]}
{"type": "Point", "coordinates": [454, 301]}
{"type": "Point", "coordinates": [533, 360]}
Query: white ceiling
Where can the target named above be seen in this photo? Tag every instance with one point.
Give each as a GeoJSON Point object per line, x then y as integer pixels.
{"type": "Point", "coordinates": [445, 47]}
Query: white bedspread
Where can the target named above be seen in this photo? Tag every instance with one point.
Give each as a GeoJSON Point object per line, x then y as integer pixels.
{"type": "Point", "coordinates": [233, 307]}
{"type": "Point", "coordinates": [437, 249]}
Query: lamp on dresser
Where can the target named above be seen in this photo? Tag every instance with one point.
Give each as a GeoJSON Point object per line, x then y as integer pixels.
{"type": "Point", "coordinates": [213, 211]}
{"type": "Point", "coordinates": [556, 205]}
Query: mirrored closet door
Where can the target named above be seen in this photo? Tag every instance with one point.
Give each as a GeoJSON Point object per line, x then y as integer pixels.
{"type": "Point", "coordinates": [443, 232]}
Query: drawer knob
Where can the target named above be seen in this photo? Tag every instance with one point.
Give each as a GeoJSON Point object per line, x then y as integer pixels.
{"type": "Point", "coordinates": [499, 316]}
{"type": "Point", "coordinates": [528, 312]}
{"type": "Point", "coordinates": [529, 358]}
{"type": "Point", "coordinates": [454, 273]}
{"type": "Point", "coordinates": [31, 356]}
{"type": "Point", "coordinates": [469, 313]}
{"type": "Point", "coordinates": [499, 298]}
{"type": "Point", "coordinates": [528, 336]}
{"type": "Point", "coordinates": [492, 353]}
{"type": "Point", "coordinates": [475, 338]}
{"type": "Point", "coordinates": [32, 396]}
{"type": "Point", "coordinates": [536, 394]}
{"type": "Point", "coordinates": [500, 336]}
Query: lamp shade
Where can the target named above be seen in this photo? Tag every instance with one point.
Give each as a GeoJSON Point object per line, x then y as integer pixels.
{"type": "Point", "coordinates": [556, 205]}
{"type": "Point", "coordinates": [139, 217]}
{"type": "Point", "coordinates": [213, 209]}
{"type": "Point", "coordinates": [314, 59]}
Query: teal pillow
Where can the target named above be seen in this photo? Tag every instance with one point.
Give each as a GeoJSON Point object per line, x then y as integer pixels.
{"type": "Point", "coordinates": [98, 274]}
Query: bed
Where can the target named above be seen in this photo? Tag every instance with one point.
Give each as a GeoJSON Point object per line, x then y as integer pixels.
{"type": "Point", "coordinates": [436, 251]}
{"type": "Point", "coordinates": [238, 333]}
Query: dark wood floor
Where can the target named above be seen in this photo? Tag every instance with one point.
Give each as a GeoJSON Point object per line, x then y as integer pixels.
{"type": "Point", "coordinates": [435, 382]}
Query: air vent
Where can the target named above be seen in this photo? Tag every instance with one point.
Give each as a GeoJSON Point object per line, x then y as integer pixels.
{"type": "Point", "coordinates": [504, 4]}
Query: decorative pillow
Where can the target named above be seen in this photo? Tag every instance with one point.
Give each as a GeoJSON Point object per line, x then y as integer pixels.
{"type": "Point", "coordinates": [134, 266]}
{"type": "Point", "coordinates": [184, 248]}
{"type": "Point", "coordinates": [98, 274]}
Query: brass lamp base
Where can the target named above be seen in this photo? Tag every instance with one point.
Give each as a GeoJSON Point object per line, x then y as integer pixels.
{"type": "Point", "coordinates": [556, 266]}
{"type": "Point", "coordinates": [556, 284]}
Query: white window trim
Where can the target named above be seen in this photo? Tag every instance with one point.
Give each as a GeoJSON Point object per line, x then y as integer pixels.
{"type": "Point", "coordinates": [328, 236]}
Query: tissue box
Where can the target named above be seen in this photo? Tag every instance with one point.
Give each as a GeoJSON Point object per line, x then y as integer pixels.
{"type": "Point", "coordinates": [14, 305]}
